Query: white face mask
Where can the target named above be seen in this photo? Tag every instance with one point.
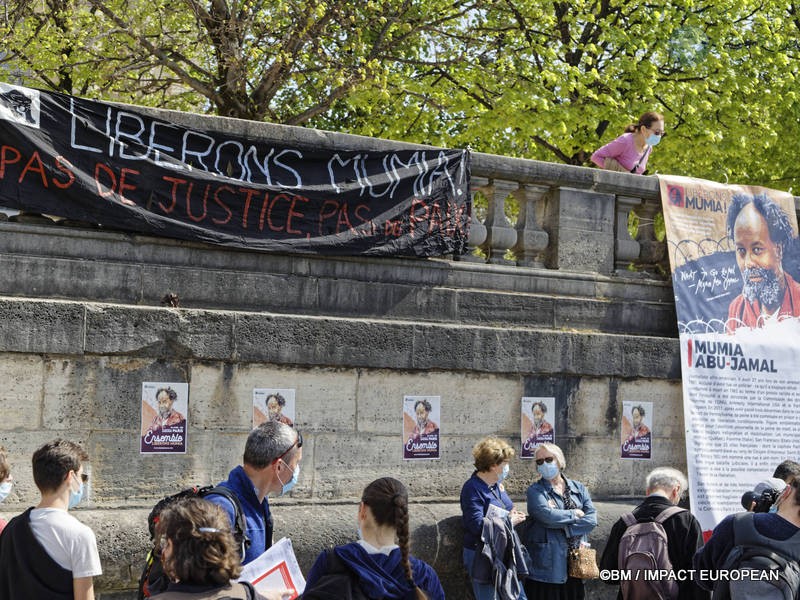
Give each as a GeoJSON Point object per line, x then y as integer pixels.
{"type": "Point", "coordinates": [5, 489]}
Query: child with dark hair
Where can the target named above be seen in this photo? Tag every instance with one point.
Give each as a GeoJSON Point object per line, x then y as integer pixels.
{"type": "Point", "coordinates": [380, 562]}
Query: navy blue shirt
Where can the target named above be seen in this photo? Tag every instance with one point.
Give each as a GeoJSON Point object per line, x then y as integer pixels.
{"type": "Point", "coordinates": [381, 575]}
{"type": "Point", "coordinates": [476, 496]}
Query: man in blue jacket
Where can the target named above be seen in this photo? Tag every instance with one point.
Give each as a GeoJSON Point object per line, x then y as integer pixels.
{"type": "Point", "coordinates": [271, 465]}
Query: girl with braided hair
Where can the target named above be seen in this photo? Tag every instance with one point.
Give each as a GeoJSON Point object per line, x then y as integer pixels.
{"type": "Point", "coordinates": [380, 562]}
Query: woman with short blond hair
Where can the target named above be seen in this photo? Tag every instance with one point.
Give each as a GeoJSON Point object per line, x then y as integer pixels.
{"type": "Point", "coordinates": [483, 489]}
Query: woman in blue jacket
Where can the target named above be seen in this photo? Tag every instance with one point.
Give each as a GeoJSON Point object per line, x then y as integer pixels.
{"type": "Point", "coordinates": [563, 516]}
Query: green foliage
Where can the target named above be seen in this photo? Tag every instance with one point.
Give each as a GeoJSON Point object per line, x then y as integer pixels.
{"type": "Point", "coordinates": [549, 80]}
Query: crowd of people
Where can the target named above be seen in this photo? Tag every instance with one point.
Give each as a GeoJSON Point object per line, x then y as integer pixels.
{"type": "Point", "coordinates": [508, 554]}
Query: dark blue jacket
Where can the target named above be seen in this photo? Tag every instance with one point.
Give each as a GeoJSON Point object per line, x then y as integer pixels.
{"type": "Point", "coordinates": [381, 575]}
{"type": "Point", "coordinates": [476, 497]}
{"type": "Point", "coordinates": [257, 515]}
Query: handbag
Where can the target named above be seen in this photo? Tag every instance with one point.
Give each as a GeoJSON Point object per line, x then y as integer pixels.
{"type": "Point", "coordinates": [582, 563]}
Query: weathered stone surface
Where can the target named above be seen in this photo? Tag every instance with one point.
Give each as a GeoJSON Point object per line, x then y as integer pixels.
{"type": "Point", "coordinates": [159, 333]}
{"type": "Point", "coordinates": [41, 327]}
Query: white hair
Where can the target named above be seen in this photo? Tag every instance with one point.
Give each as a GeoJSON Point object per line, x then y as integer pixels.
{"type": "Point", "coordinates": [665, 478]}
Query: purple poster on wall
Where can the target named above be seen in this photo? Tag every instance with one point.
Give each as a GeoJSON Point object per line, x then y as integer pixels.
{"type": "Point", "coordinates": [421, 416]}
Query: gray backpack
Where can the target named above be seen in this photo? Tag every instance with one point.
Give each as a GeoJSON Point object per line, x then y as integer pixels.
{"type": "Point", "coordinates": [754, 553]}
{"type": "Point", "coordinates": [643, 547]}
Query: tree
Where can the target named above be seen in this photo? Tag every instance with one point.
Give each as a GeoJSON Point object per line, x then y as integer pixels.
{"type": "Point", "coordinates": [543, 79]}
{"type": "Point", "coordinates": [286, 61]}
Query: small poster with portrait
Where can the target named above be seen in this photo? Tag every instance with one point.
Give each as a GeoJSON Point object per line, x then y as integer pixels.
{"type": "Point", "coordinates": [537, 424]}
{"type": "Point", "coordinates": [637, 430]}
{"type": "Point", "coordinates": [421, 417]}
{"type": "Point", "coordinates": [165, 409]}
{"type": "Point", "coordinates": [270, 404]}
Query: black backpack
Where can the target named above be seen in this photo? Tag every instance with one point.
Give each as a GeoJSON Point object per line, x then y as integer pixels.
{"type": "Point", "coordinates": [338, 583]}
{"type": "Point", "coordinates": [778, 575]}
{"type": "Point", "coordinates": [153, 580]}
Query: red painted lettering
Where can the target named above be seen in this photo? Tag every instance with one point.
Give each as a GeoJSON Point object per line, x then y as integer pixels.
{"type": "Point", "coordinates": [5, 160]}
{"type": "Point", "coordinates": [224, 188]}
{"type": "Point", "coordinates": [63, 165]}
{"type": "Point", "coordinates": [39, 168]}
{"type": "Point", "coordinates": [174, 192]}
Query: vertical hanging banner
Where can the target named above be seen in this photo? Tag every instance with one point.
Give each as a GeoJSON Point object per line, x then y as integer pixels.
{"type": "Point", "coordinates": [120, 167]}
{"type": "Point", "coordinates": [421, 417]}
{"type": "Point", "coordinates": [536, 424]}
{"type": "Point", "coordinates": [735, 270]}
{"type": "Point", "coordinates": [165, 407]}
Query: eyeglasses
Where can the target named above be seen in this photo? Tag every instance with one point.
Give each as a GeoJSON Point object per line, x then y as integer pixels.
{"type": "Point", "coordinates": [541, 461]}
{"type": "Point", "coordinates": [661, 133]}
{"type": "Point", "coordinates": [298, 442]}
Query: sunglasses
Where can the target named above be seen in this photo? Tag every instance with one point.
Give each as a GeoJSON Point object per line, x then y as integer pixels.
{"type": "Point", "coordinates": [541, 461]}
{"type": "Point", "coordinates": [298, 442]}
{"type": "Point", "coordinates": [84, 476]}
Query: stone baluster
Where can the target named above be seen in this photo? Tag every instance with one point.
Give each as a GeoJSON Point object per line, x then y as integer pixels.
{"type": "Point", "coordinates": [626, 248]}
{"type": "Point", "coordinates": [500, 235]}
{"type": "Point", "coordinates": [651, 251]}
{"type": "Point", "coordinates": [532, 240]}
{"type": "Point", "coordinates": [477, 230]}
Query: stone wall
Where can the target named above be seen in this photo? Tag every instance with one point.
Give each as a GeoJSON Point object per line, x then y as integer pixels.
{"type": "Point", "coordinates": [81, 327]}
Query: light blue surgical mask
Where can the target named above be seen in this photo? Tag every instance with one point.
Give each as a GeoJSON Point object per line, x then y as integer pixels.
{"type": "Point", "coordinates": [653, 139]}
{"type": "Point", "coordinates": [286, 487]}
{"type": "Point", "coordinates": [548, 470]}
{"type": "Point", "coordinates": [75, 496]}
{"type": "Point", "coordinates": [5, 489]}
{"type": "Point", "coordinates": [501, 476]}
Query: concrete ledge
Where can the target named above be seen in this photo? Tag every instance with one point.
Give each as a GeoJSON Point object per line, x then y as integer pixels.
{"type": "Point", "coordinates": [436, 537]}
{"type": "Point", "coordinates": [69, 328]}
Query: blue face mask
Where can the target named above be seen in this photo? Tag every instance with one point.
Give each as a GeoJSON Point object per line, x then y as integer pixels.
{"type": "Point", "coordinates": [548, 470]}
{"type": "Point", "coordinates": [503, 474]}
{"type": "Point", "coordinates": [653, 139]}
{"type": "Point", "coordinates": [75, 497]}
{"type": "Point", "coordinates": [286, 487]}
{"type": "Point", "coordinates": [5, 489]}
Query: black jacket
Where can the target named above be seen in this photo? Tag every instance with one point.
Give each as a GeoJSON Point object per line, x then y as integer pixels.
{"type": "Point", "coordinates": [26, 569]}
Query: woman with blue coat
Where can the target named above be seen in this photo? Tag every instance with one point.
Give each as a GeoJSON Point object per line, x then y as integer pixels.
{"type": "Point", "coordinates": [562, 516]}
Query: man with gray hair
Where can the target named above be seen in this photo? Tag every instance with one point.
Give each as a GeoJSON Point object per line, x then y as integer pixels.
{"type": "Point", "coordinates": [271, 464]}
{"type": "Point", "coordinates": [664, 488]}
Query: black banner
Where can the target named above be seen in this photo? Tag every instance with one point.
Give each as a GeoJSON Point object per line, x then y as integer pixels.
{"type": "Point", "coordinates": [119, 167]}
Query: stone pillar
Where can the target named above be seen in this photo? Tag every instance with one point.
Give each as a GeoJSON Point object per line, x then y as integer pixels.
{"type": "Point", "coordinates": [531, 239]}
{"type": "Point", "coordinates": [477, 230]}
{"type": "Point", "coordinates": [652, 252]}
{"type": "Point", "coordinates": [626, 248]}
{"type": "Point", "coordinates": [500, 235]}
{"type": "Point", "coordinates": [581, 228]}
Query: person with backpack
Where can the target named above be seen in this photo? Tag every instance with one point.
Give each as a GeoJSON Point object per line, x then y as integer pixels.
{"type": "Point", "coordinates": [200, 555]}
{"type": "Point", "coordinates": [755, 542]}
{"type": "Point", "coordinates": [379, 564]}
{"type": "Point", "coordinates": [271, 465]}
{"type": "Point", "coordinates": [656, 535]}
